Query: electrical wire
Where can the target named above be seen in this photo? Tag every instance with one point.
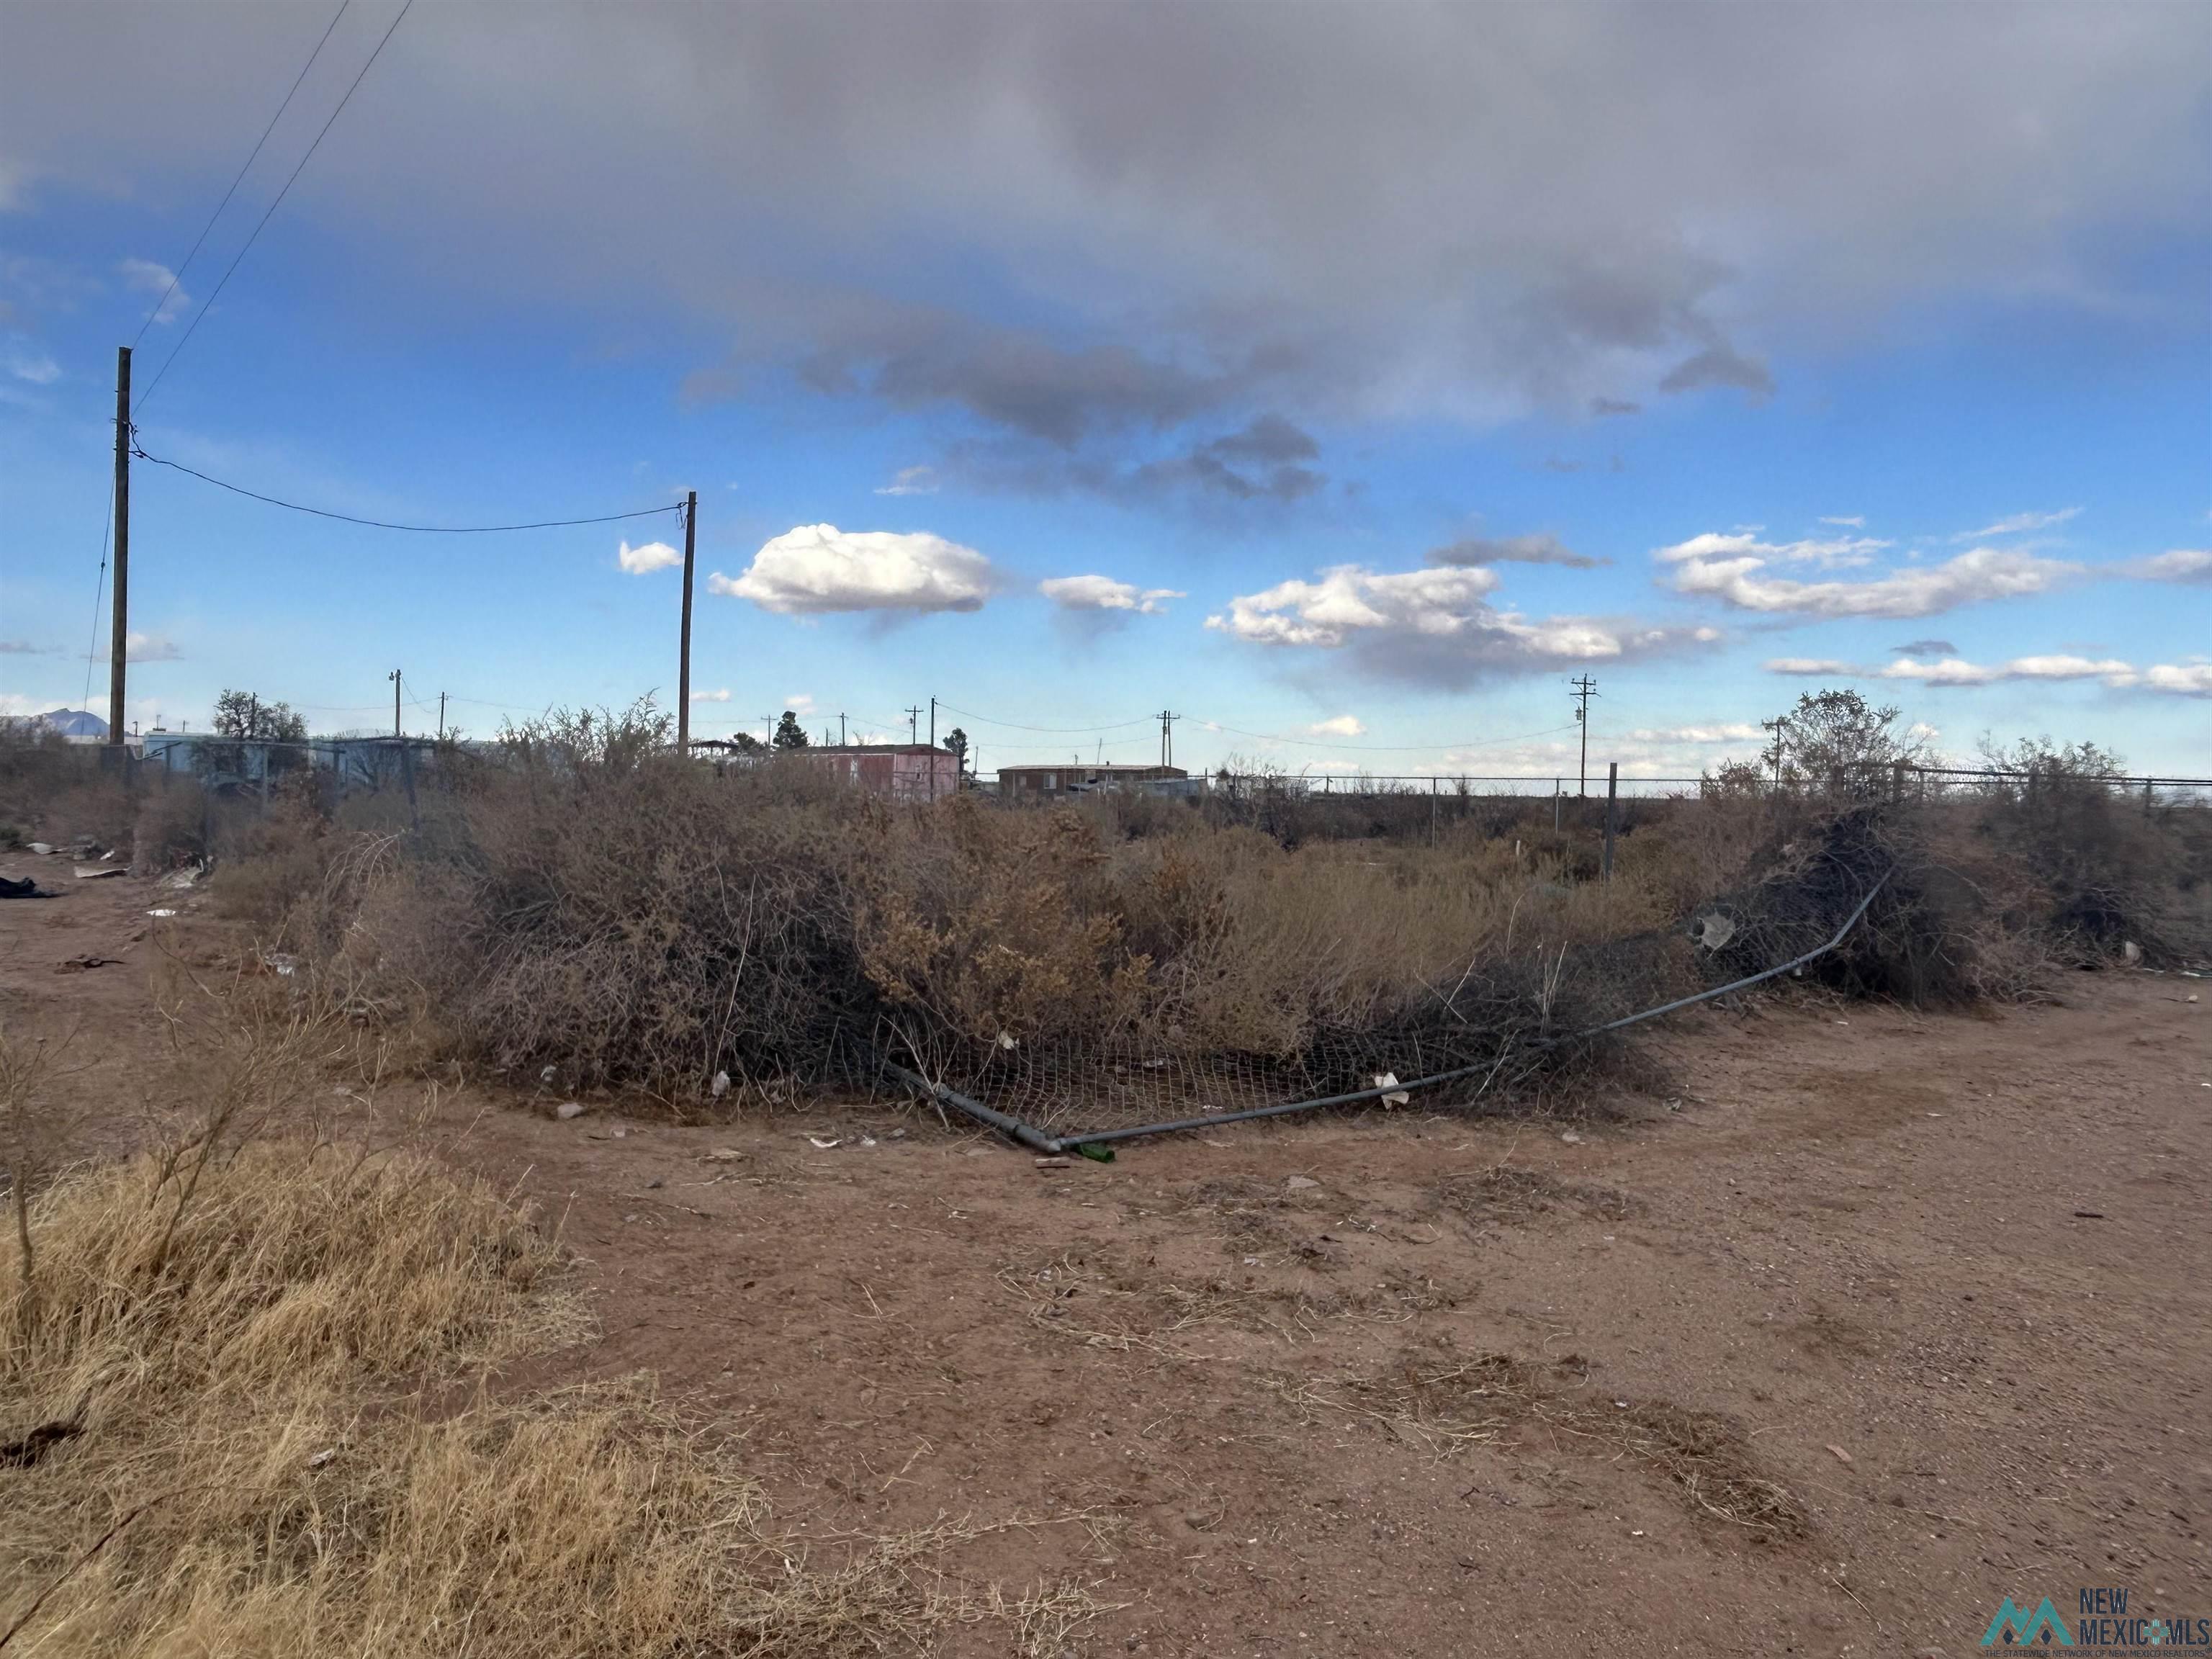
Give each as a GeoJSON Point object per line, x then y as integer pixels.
{"type": "Point", "coordinates": [1382, 748]}
{"type": "Point", "coordinates": [1016, 727]}
{"type": "Point", "coordinates": [178, 276]}
{"type": "Point", "coordinates": [382, 524]}
{"type": "Point", "coordinates": [208, 304]}
{"type": "Point", "coordinates": [98, 587]}
{"type": "Point", "coordinates": [1263, 737]}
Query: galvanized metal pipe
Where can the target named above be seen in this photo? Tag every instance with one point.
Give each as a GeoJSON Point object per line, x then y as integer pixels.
{"type": "Point", "coordinates": [1029, 1137]}
{"type": "Point", "coordinates": [976, 1108]}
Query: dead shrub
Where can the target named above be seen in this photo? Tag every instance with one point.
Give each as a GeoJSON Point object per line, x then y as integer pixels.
{"type": "Point", "coordinates": [265, 1441]}
{"type": "Point", "coordinates": [246, 1406]}
{"type": "Point", "coordinates": [579, 899]}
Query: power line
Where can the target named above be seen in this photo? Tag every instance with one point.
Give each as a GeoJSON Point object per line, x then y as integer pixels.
{"type": "Point", "coordinates": [1263, 737]}
{"type": "Point", "coordinates": [382, 524]}
{"type": "Point", "coordinates": [1016, 726]}
{"type": "Point", "coordinates": [1380, 748]}
{"type": "Point", "coordinates": [98, 587]}
{"type": "Point", "coordinates": [207, 305]}
{"type": "Point", "coordinates": [178, 274]}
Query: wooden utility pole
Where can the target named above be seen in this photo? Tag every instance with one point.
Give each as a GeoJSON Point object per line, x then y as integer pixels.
{"type": "Point", "coordinates": [933, 748]}
{"type": "Point", "coordinates": [1778, 726]}
{"type": "Point", "coordinates": [442, 717]}
{"type": "Point", "coordinates": [913, 716]}
{"type": "Point", "coordinates": [1585, 688]}
{"type": "Point", "coordinates": [1612, 812]}
{"type": "Point", "coordinates": [683, 656]}
{"type": "Point", "coordinates": [1167, 737]}
{"type": "Point", "coordinates": [394, 677]}
{"type": "Point", "coordinates": [118, 627]}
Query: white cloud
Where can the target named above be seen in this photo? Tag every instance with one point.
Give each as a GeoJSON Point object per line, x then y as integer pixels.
{"type": "Point", "coordinates": [653, 556]}
{"type": "Point", "coordinates": [2183, 564]}
{"type": "Point", "coordinates": [911, 480]}
{"type": "Point", "coordinates": [819, 569]}
{"type": "Point", "coordinates": [1953, 671]}
{"type": "Point", "coordinates": [2185, 679]}
{"type": "Point", "coordinates": [149, 648]}
{"type": "Point", "coordinates": [1349, 599]}
{"type": "Point", "coordinates": [799, 702]}
{"type": "Point", "coordinates": [147, 277]}
{"type": "Point", "coordinates": [722, 694]}
{"type": "Point", "coordinates": [27, 361]}
{"type": "Point", "coordinates": [1340, 726]}
{"type": "Point", "coordinates": [1434, 625]}
{"type": "Point", "coordinates": [1857, 521]}
{"type": "Point", "coordinates": [1743, 542]}
{"type": "Point", "coordinates": [1720, 732]}
{"type": "Point", "coordinates": [1809, 665]}
{"type": "Point", "coordinates": [1711, 565]}
{"type": "Point", "coordinates": [1104, 593]}
{"type": "Point", "coordinates": [2192, 679]}
{"type": "Point", "coordinates": [2020, 523]}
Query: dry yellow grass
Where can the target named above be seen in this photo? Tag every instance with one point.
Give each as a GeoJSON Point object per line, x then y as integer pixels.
{"type": "Point", "coordinates": [268, 1430]}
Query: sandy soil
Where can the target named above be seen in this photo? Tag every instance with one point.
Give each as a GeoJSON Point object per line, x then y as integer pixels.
{"type": "Point", "coordinates": [1945, 1281]}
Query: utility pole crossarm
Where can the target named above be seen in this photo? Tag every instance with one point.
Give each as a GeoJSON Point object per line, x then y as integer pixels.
{"type": "Point", "coordinates": [1585, 689]}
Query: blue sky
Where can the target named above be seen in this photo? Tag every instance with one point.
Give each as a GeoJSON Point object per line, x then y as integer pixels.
{"type": "Point", "coordinates": [1346, 380]}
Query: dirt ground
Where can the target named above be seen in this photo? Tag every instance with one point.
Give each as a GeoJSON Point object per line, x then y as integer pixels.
{"type": "Point", "coordinates": [1872, 1320]}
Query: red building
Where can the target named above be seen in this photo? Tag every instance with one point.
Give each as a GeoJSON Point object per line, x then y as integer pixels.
{"type": "Point", "coordinates": [898, 771]}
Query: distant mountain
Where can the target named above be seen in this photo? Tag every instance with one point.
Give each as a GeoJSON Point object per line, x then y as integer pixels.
{"type": "Point", "coordinates": [73, 722]}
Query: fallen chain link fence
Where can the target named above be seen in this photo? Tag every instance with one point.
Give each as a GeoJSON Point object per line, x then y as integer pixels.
{"type": "Point", "coordinates": [1038, 1096]}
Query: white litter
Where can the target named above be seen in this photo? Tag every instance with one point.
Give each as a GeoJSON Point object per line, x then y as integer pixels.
{"type": "Point", "coordinates": [1397, 1096]}
{"type": "Point", "coordinates": [721, 1085]}
{"type": "Point", "coordinates": [568, 1108]}
{"type": "Point", "coordinates": [160, 913]}
{"type": "Point", "coordinates": [822, 1145]}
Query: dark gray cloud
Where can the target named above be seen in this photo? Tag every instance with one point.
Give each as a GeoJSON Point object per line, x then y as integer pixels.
{"type": "Point", "coordinates": [1014, 378]}
{"type": "Point", "coordinates": [1719, 364]}
{"type": "Point", "coordinates": [1261, 462]}
{"type": "Point", "coordinates": [23, 648]}
{"type": "Point", "coordinates": [1513, 550]}
{"type": "Point", "coordinates": [1145, 215]}
{"type": "Point", "coordinates": [1603, 406]}
{"type": "Point", "coordinates": [1269, 440]}
{"type": "Point", "coordinates": [1934, 650]}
